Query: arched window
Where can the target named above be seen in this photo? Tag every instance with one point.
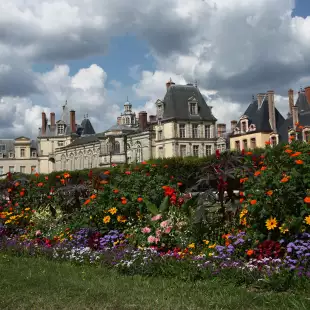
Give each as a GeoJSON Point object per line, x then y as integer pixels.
{"type": "Point", "coordinates": [273, 141]}
{"type": "Point", "coordinates": [139, 156]}
{"type": "Point", "coordinates": [129, 156]}
{"type": "Point", "coordinates": [127, 120]}
{"type": "Point", "coordinates": [71, 162]}
{"type": "Point", "coordinates": [81, 160]}
{"type": "Point", "coordinates": [63, 163]}
{"type": "Point", "coordinates": [117, 147]}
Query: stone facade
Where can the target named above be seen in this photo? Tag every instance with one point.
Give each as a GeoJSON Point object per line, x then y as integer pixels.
{"type": "Point", "coordinates": [183, 126]}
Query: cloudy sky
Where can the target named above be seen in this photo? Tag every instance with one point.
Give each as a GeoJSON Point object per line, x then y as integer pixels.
{"type": "Point", "coordinates": [95, 53]}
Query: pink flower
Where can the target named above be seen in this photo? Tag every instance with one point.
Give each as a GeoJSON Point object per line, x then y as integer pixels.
{"type": "Point", "coordinates": [168, 230]}
{"type": "Point", "coordinates": [156, 217]}
{"type": "Point", "coordinates": [151, 239]}
{"type": "Point", "coordinates": [164, 224]}
{"type": "Point", "coordinates": [157, 240]}
{"type": "Point", "coordinates": [146, 230]}
{"type": "Point", "coordinates": [38, 233]}
{"type": "Point", "coordinates": [158, 233]}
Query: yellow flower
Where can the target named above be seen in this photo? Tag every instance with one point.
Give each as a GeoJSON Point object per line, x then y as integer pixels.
{"type": "Point", "coordinates": [212, 246]}
{"type": "Point", "coordinates": [121, 219]}
{"type": "Point", "coordinates": [191, 246]}
{"type": "Point", "coordinates": [243, 221]}
{"type": "Point", "coordinates": [283, 229]}
{"type": "Point", "coordinates": [112, 210]}
{"type": "Point", "coordinates": [27, 209]}
{"type": "Point", "coordinates": [211, 254]}
{"type": "Point", "coordinates": [206, 242]}
{"type": "Point", "coordinates": [271, 223]}
{"type": "Point", "coordinates": [243, 213]}
{"type": "Point", "coordinates": [106, 219]}
{"type": "Point", "coordinates": [307, 220]}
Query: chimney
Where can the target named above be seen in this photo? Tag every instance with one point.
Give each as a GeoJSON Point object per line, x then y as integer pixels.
{"type": "Point", "coordinates": [44, 122]}
{"type": "Point", "coordinates": [233, 125]}
{"type": "Point", "coordinates": [291, 100]}
{"type": "Point", "coordinates": [221, 130]}
{"type": "Point", "coordinates": [307, 93]}
{"type": "Point", "coordinates": [272, 110]}
{"type": "Point", "coordinates": [52, 119]}
{"type": "Point", "coordinates": [142, 120]}
{"type": "Point", "coordinates": [169, 83]}
{"type": "Point", "coordinates": [152, 118]}
{"type": "Point", "coordinates": [119, 120]}
{"type": "Point", "coordinates": [295, 116]}
{"type": "Point", "coordinates": [72, 121]}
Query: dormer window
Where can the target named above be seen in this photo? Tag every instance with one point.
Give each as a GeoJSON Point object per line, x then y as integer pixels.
{"type": "Point", "coordinates": [160, 111]}
{"type": "Point", "coordinates": [193, 108]}
{"type": "Point", "coordinates": [34, 154]}
{"type": "Point", "coordinates": [252, 127]}
{"type": "Point", "coordinates": [243, 126]}
{"type": "Point", "coordinates": [11, 155]}
{"type": "Point", "coordinates": [307, 135]}
{"type": "Point", "coordinates": [60, 129]}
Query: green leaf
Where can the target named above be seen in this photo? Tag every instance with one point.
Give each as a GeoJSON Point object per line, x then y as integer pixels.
{"type": "Point", "coordinates": [165, 204]}
{"type": "Point", "coordinates": [151, 207]}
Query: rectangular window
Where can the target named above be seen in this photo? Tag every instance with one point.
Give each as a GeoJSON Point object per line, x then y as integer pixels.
{"type": "Point", "coordinates": [33, 169]}
{"type": "Point", "coordinates": [195, 131]}
{"type": "Point", "coordinates": [243, 126]}
{"type": "Point", "coordinates": [22, 152]}
{"type": "Point", "coordinates": [1, 170]}
{"type": "Point", "coordinates": [273, 141]}
{"type": "Point", "coordinates": [196, 150]}
{"type": "Point", "coordinates": [33, 154]}
{"type": "Point", "coordinates": [161, 152]}
{"type": "Point", "coordinates": [159, 135]}
{"type": "Point", "coordinates": [237, 145]}
{"type": "Point", "coordinates": [182, 130]}
{"type": "Point", "coordinates": [245, 144]}
{"type": "Point", "coordinates": [182, 150]}
{"type": "Point", "coordinates": [22, 169]}
{"type": "Point", "coordinates": [221, 147]}
{"type": "Point", "coordinates": [11, 155]}
{"type": "Point", "coordinates": [11, 169]}
{"type": "Point", "coordinates": [193, 108]}
{"type": "Point", "coordinates": [208, 150]}
{"type": "Point", "coordinates": [60, 143]}
{"type": "Point", "coordinates": [207, 131]}
{"type": "Point", "coordinates": [253, 143]}
{"type": "Point", "coordinates": [307, 136]}
{"type": "Point", "coordinates": [60, 129]}
{"type": "Point", "coordinates": [2, 148]}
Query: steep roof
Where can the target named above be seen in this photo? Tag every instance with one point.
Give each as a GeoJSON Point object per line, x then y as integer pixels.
{"type": "Point", "coordinates": [88, 128]}
{"type": "Point", "coordinates": [259, 116]}
{"type": "Point", "coordinates": [83, 140]}
{"type": "Point", "coordinates": [176, 104]}
{"type": "Point", "coordinates": [303, 116]}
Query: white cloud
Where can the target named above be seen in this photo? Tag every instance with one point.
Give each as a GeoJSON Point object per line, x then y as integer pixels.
{"type": "Point", "coordinates": [234, 48]}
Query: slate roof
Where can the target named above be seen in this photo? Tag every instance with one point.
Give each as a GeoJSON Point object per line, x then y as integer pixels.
{"type": "Point", "coordinates": [88, 128]}
{"type": "Point", "coordinates": [8, 146]}
{"type": "Point", "coordinates": [260, 117]}
{"type": "Point", "coordinates": [304, 117]}
{"type": "Point", "coordinates": [82, 140]}
{"type": "Point", "coordinates": [176, 104]}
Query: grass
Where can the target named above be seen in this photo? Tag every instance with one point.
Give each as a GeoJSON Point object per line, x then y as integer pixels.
{"type": "Point", "coordinates": [35, 283]}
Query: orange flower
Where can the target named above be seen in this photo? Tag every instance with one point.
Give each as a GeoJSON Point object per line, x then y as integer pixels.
{"type": "Point", "coordinates": [164, 187]}
{"type": "Point", "coordinates": [299, 162]}
{"type": "Point", "coordinates": [269, 193]}
{"type": "Point", "coordinates": [144, 163]}
{"type": "Point", "coordinates": [17, 184]}
{"type": "Point", "coordinates": [87, 202]}
{"type": "Point", "coordinates": [249, 252]}
{"type": "Point", "coordinates": [9, 190]}
{"type": "Point", "coordinates": [22, 194]}
{"type": "Point", "coordinates": [107, 172]}
{"type": "Point", "coordinates": [285, 179]}
{"type": "Point", "coordinates": [249, 153]}
{"type": "Point", "coordinates": [124, 201]}
{"type": "Point", "coordinates": [253, 201]}
{"type": "Point", "coordinates": [307, 199]}
{"type": "Point", "coordinates": [267, 143]}
{"type": "Point", "coordinates": [243, 180]}
{"type": "Point", "coordinates": [296, 154]}
{"type": "Point", "coordinates": [93, 196]}
{"type": "Point", "coordinates": [288, 151]}
{"type": "Point", "coordinates": [36, 174]}
{"type": "Point", "coordinates": [241, 193]}
{"type": "Point", "coordinates": [263, 168]}
{"type": "Point", "coordinates": [115, 191]}
{"type": "Point", "coordinates": [62, 181]}
{"type": "Point", "coordinates": [58, 176]}
{"type": "Point", "coordinates": [140, 199]}
{"type": "Point", "coordinates": [46, 178]}
{"type": "Point", "coordinates": [241, 200]}
{"type": "Point", "coordinates": [257, 173]}
{"type": "Point", "coordinates": [104, 182]}
{"type": "Point", "coordinates": [66, 175]}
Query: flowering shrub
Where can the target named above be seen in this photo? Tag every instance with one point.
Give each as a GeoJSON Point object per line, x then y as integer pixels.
{"type": "Point", "coordinates": [276, 198]}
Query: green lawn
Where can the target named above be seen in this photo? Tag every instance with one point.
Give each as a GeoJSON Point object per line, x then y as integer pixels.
{"type": "Point", "coordinates": [33, 283]}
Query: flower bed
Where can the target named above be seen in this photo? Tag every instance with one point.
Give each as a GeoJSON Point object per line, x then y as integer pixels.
{"type": "Point", "coordinates": [134, 223]}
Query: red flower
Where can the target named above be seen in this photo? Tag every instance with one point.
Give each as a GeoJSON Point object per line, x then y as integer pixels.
{"type": "Point", "coordinates": [128, 172]}
{"type": "Point", "coordinates": [90, 175]}
{"type": "Point", "coordinates": [218, 154]}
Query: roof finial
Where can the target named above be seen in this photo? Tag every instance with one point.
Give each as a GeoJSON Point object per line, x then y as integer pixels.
{"type": "Point", "coordinates": [196, 84]}
{"type": "Point", "coordinates": [127, 99]}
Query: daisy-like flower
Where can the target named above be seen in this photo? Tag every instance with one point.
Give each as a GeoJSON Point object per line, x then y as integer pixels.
{"type": "Point", "coordinates": [271, 223]}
